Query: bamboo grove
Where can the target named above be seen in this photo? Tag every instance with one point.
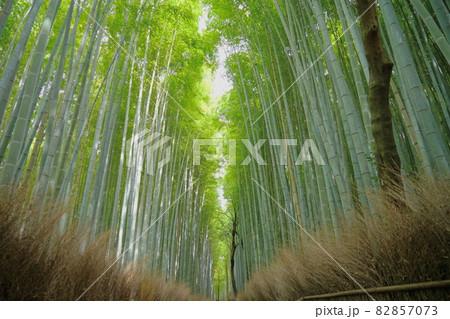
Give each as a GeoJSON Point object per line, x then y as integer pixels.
{"type": "Point", "coordinates": [79, 80]}
{"type": "Point", "coordinates": [87, 87]}
{"type": "Point", "coordinates": [300, 72]}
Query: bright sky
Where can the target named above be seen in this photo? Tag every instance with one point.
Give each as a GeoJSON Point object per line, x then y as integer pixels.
{"type": "Point", "coordinates": [221, 84]}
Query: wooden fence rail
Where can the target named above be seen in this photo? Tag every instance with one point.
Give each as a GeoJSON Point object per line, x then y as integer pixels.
{"type": "Point", "coordinates": [408, 287]}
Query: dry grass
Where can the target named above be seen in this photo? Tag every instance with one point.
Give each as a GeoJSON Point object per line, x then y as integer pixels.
{"type": "Point", "coordinates": [38, 263]}
{"type": "Point", "coordinates": [409, 245]}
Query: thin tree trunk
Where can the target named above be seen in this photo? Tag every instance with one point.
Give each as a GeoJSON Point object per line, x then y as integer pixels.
{"type": "Point", "coordinates": [234, 245]}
